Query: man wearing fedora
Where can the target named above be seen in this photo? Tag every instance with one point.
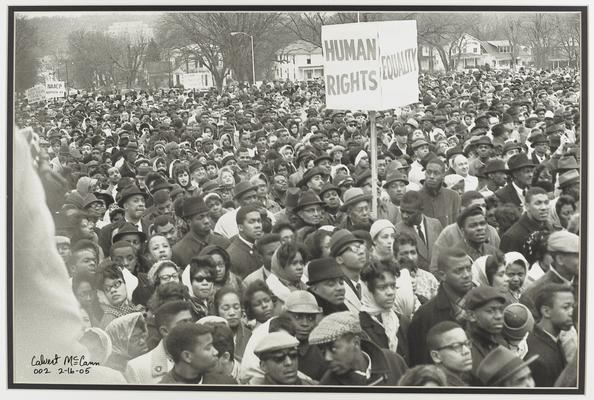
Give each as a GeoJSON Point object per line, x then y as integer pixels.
{"type": "Point", "coordinates": [520, 169]}
{"type": "Point", "coordinates": [330, 195]}
{"type": "Point", "coordinates": [502, 368]}
{"type": "Point", "coordinates": [357, 207]}
{"type": "Point", "coordinates": [420, 149]}
{"type": "Point", "coordinates": [540, 144]}
{"type": "Point", "coordinates": [327, 284]}
{"type": "Point", "coordinates": [310, 213]}
{"type": "Point", "coordinates": [313, 179]}
{"type": "Point", "coordinates": [395, 186]}
{"type": "Point", "coordinates": [419, 226]}
{"type": "Point", "coordinates": [130, 154]}
{"type": "Point", "coordinates": [495, 173]}
{"type": "Point", "coordinates": [196, 214]}
{"type": "Point", "coordinates": [133, 201]}
{"type": "Point", "coordinates": [350, 254]}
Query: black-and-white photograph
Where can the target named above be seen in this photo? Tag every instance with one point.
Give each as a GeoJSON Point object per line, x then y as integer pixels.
{"type": "Point", "coordinates": [274, 199]}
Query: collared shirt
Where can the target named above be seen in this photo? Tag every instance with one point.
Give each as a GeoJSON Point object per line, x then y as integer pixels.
{"type": "Point", "coordinates": [367, 373]}
{"type": "Point", "coordinates": [137, 224]}
{"type": "Point", "coordinates": [249, 244]}
{"type": "Point", "coordinates": [555, 338]}
{"type": "Point", "coordinates": [565, 280]}
{"type": "Point", "coordinates": [421, 226]}
{"type": "Point", "coordinates": [520, 192]}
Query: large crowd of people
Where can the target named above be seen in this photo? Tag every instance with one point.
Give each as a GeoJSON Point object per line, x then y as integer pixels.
{"type": "Point", "coordinates": [227, 237]}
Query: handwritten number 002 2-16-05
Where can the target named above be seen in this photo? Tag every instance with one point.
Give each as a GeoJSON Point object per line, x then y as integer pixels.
{"type": "Point", "coordinates": [38, 371]}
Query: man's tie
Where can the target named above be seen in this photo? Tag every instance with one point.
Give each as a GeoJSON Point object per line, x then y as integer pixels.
{"type": "Point", "coordinates": [421, 235]}
{"type": "Point", "coordinates": [358, 290]}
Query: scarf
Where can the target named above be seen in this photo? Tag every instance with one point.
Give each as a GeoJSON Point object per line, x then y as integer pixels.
{"type": "Point", "coordinates": [389, 319]}
{"type": "Point", "coordinates": [280, 273]}
{"type": "Point", "coordinates": [512, 257]}
{"type": "Point", "coordinates": [479, 274]}
{"type": "Point", "coordinates": [122, 310]}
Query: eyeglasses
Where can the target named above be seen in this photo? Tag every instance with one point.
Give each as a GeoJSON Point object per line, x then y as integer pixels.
{"type": "Point", "coordinates": [355, 248]}
{"type": "Point", "coordinates": [457, 347]}
{"type": "Point", "coordinates": [279, 358]}
{"type": "Point", "coordinates": [170, 277]}
{"type": "Point", "coordinates": [200, 279]}
{"type": "Point", "coordinates": [116, 284]}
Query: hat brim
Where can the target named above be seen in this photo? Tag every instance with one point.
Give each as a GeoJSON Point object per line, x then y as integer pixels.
{"type": "Point", "coordinates": [313, 203]}
{"type": "Point", "coordinates": [515, 369]}
{"type": "Point", "coordinates": [356, 199]}
{"type": "Point", "coordinates": [128, 195]}
{"type": "Point", "coordinates": [304, 309]}
{"type": "Point", "coordinates": [569, 182]}
{"type": "Point", "coordinates": [528, 164]}
{"type": "Point", "coordinates": [385, 185]}
{"type": "Point", "coordinates": [118, 235]}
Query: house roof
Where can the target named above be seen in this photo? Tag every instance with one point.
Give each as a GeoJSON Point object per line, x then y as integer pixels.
{"type": "Point", "coordinates": [498, 43]}
{"type": "Point", "coordinates": [300, 47]}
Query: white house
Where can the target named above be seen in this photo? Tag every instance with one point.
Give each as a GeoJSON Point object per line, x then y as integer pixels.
{"type": "Point", "coordinates": [298, 61]}
{"type": "Point", "coordinates": [474, 53]}
{"type": "Point", "coordinates": [189, 69]}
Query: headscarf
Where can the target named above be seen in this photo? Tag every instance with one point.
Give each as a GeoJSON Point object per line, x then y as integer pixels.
{"type": "Point", "coordinates": [389, 321]}
{"type": "Point", "coordinates": [120, 331]}
{"type": "Point", "coordinates": [514, 256]}
{"type": "Point", "coordinates": [84, 184]}
{"type": "Point", "coordinates": [105, 341]}
{"type": "Point", "coordinates": [334, 169]}
{"type": "Point", "coordinates": [479, 273]}
{"type": "Point", "coordinates": [280, 273]}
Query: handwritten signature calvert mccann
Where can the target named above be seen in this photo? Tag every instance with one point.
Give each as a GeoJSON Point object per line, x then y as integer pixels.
{"type": "Point", "coordinates": [67, 360]}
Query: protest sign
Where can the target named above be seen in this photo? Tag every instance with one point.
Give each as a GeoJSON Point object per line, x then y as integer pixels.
{"type": "Point", "coordinates": [36, 94]}
{"type": "Point", "coordinates": [370, 66]}
{"type": "Point", "coordinates": [196, 80]}
{"type": "Point", "coordinates": [55, 89]}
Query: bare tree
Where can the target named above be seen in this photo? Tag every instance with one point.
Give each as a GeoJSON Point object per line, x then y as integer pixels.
{"type": "Point", "coordinates": [207, 37]}
{"type": "Point", "coordinates": [540, 31]}
{"type": "Point", "coordinates": [512, 26]}
{"type": "Point", "coordinates": [569, 32]}
{"type": "Point", "coordinates": [445, 32]}
{"type": "Point", "coordinates": [25, 62]}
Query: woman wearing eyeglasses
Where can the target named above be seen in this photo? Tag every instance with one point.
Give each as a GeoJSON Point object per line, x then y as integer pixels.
{"type": "Point", "coordinates": [202, 277]}
{"type": "Point", "coordinates": [377, 317]}
{"type": "Point", "coordinates": [113, 287]}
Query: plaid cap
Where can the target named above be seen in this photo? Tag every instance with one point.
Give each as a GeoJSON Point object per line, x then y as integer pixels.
{"type": "Point", "coordinates": [334, 326]}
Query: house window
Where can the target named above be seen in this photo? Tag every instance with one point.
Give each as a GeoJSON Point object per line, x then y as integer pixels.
{"type": "Point", "coordinates": [474, 50]}
{"type": "Point", "coordinates": [195, 64]}
{"type": "Point", "coordinates": [308, 61]}
{"type": "Point", "coordinates": [308, 73]}
{"type": "Point", "coordinates": [293, 59]}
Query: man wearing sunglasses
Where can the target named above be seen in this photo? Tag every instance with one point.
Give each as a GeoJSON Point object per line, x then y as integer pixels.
{"type": "Point", "coordinates": [279, 359]}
